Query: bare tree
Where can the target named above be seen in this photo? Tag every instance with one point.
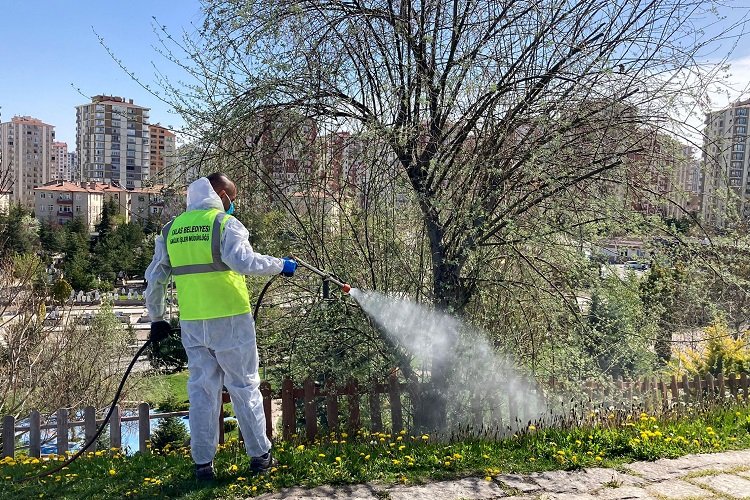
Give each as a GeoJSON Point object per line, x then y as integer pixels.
{"type": "Point", "coordinates": [511, 122]}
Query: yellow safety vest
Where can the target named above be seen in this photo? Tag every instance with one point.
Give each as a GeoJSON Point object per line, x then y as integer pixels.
{"type": "Point", "coordinates": [206, 287]}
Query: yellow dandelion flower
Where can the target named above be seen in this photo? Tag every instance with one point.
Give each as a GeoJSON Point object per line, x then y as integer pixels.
{"type": "Point", "coordinates": [112, 472]}
{"type": "Point", "coordinates": [367, 457]}
{"type": "Point", "coordinates": [488, 478]}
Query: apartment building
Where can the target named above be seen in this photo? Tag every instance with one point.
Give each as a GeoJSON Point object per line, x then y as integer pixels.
{"type": "Point", "coordinates": [60, 170]}
{"type": "Point", "coordinates": [112, 141]}
{"type": "Point", "coordinates": [60, 201]}
{"type": "Point", "coordinates": [74, 173]}
{"type": "Point", "coordinates": [160, 202]}
{"type": "Point", "coordinates": [661, 176]}
{"type": "Point", "coordinates": [726, 165]}
{"type": "Point", "coordinates": [163, 159]}
{"type": "Point", "coordinates": [26, 152]}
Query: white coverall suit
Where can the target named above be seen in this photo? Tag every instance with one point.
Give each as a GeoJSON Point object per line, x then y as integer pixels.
{"type": "Point", "coordinates": [221, 351]}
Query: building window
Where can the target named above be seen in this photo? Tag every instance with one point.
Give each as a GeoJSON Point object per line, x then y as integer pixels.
{"type": "Point", "coordinates": [50, 207]}
{"type": "Point", "coordinates": [78, 208]}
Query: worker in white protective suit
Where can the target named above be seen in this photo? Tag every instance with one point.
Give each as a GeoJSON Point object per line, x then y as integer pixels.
{"type": "Point", "coordinates": [207, 252]}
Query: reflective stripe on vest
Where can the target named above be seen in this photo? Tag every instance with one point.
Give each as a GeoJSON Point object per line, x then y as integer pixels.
{"type": "Point", "coordinates": [217, 264]}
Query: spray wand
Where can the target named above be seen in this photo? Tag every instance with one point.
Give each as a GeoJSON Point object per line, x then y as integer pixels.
{"type": "Point", "coordinates": [345, 287]}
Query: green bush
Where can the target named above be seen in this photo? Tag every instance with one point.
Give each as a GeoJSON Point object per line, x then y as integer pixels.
{"type": "Point", "coordinates": [170, 430]}
{"type": "Point", "coordinates": [230, 425]}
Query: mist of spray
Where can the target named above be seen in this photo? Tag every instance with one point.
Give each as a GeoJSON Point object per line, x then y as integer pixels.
{"type": "Point", "coordinates": [481, 380]}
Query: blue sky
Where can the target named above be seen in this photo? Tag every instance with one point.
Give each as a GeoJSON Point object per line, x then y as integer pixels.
{"type": "Point", "coordinates": [49, 49]}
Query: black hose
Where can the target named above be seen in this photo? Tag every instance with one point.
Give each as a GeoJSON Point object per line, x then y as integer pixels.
{"type": "Point", "coordinates": [101, 427]}
{"type": "Point", "coordinates": [260, 297]}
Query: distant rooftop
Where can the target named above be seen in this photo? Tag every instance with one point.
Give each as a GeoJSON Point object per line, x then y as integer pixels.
{"type": "Point", "coordinates": [28, 120]}
{"type": "Point", "coordinates": [81, 187]}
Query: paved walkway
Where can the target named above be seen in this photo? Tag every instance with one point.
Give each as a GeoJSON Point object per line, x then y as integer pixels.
{"type": "Point", "coordinates": [709, 476]}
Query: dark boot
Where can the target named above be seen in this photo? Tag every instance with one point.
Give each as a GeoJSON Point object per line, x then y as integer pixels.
{"type": "Point", "coordinates": [262, 464]}
{"type": "Point", "coordinates": [204, 472]}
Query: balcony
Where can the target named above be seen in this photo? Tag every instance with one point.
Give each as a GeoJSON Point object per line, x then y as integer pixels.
{"type": "Point", "coordinates": [64, 214]}
{"type": "Point", "coordinates": [65, 201]}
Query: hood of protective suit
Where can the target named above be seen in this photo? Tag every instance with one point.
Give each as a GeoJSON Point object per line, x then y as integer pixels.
{"type": "Point", "coordinates": [201, 196]}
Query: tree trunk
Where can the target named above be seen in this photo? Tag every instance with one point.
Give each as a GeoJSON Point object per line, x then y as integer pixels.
{"type": "Point", "coordinates": [451, 297]}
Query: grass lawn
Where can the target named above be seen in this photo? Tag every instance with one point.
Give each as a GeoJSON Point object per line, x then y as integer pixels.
{"type": "Point", "coordinates": [604, 440]}
{"type": "Point", "coordinates": [157, 388]}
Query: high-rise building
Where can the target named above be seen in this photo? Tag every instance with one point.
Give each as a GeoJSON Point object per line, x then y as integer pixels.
{"type": "Point", "coordinates": [59, 164]}
{"type": "Point", "coordinates": [163, 157]}
{"type": "Point", "coordinates": [112, 140]}
{"type": "Point", "coordinates": [26, 149]}
{"type": "Point", "coordinates": [726, 178]}
{"type": "Point", "coordinates": [74, 171]}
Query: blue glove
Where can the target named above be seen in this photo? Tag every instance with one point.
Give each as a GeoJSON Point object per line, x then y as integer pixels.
{"type": "Point", "coordinates": [290, 265]}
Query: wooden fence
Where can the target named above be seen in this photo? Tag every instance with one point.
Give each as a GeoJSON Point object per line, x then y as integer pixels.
{"type": "Point", "coordinates": [302, 407]}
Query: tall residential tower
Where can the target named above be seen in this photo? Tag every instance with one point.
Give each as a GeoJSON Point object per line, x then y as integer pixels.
{"type": "Point", "coordinates": [27, 152]}
{"type": "Point", "coordinates": [112, 140]}
{"type": "Point", "coordinates": [726, 179]}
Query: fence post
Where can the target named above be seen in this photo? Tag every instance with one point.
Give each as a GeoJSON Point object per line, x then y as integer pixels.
{"type": "Point", "coordinates": [698, 389]}
{"type": "Point", "coordinates": [311, 410]}
{"type": "Point", "coordinates": [62, 431]}
{"type": "Point", "coordinates": [732, 381]}
{"type": "Point", "coordinates": [9, 436]}
{"type": "Point", "coordinates": [394, 396]}
{"type": "Point", "coordinates": [720, 381]}
{"type": "Point", "coordinates": [674, 390]}
{"type": "Point", "coordinates": [513, 411]}
{"type": "Point", "coordinates": [224, 398]}
{"type": "Point", "coordinates": [376, 418]}
{"type": "Point", "coordinates": [745, 388]}
{"type": "Point", "coordinates": [476, 410]}
{"type": "Point", "coordinates": [686, 388]}
{"type": "Point", "coordinates": [144, 427]}
{"type": "Point", "coordinates": [35, 434]}
{"type": "Point", "coordinates": [710, 388]}
{"type": "Point", "coordinates": [664, 391]}
{"type": "Point", "coordinates": [265, 390]}
{"type": "Point", "coordinates": [332, 406]}
{"type": "Point", "coordinates": [89, 426]}
{"type": "Point", "coordinates": [353, 390]}
{"type": "Point", "coordinates": [288, 420]}
{"type": "Point", "coordinates": [115, 428]}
